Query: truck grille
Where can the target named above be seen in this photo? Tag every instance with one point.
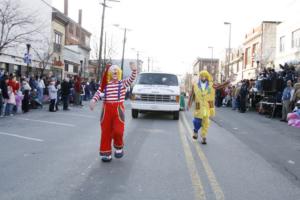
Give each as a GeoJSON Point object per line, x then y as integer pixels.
{"type": "Point", "coordinates": [156, 98]}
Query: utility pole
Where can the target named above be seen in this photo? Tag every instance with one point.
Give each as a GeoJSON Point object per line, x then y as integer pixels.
{"type": "Point", "coordinates": [148, 64]}
{"type": "Point", "coordinates": [137, 59]}
{"type": "Point", "coordinates": [101, 40]}
{"type": "Point", "coordinates": [105, 49]}
{"type": "Point", "coordinates": [212, 55]}
{"type": "Point", "coordinates": [123, 53]}
{"type": "Point", "coordinates": [152, 64]}
{"type": "Point", "coordinates": [229, 49]}
{"type": "Point", "coordinates": [100, 69]}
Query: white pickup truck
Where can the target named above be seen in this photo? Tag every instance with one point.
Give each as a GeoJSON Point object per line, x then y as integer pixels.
{"type": "Point", "coordinates": [156, 92]}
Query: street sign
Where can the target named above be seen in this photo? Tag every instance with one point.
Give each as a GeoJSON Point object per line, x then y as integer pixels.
{"type": "Point", "coordinates": [27, 58]}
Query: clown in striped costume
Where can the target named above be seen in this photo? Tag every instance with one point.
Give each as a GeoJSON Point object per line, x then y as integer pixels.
{"type": "Point", "coordinates": [112, 91]}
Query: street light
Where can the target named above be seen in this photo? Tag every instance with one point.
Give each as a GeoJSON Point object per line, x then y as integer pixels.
{"type": "Point", "coordinates": [81, 69]}
{"type": "Point", "coordinates": [212, 55]}
{"type": "Point", "coordinates": [137, 57]}
{"type": "Point", "coordinates": [28, 58]}
{"type": "Point", "coordinates": [229, 48]}
{"type": "Point", "coordinates": [211, 61]}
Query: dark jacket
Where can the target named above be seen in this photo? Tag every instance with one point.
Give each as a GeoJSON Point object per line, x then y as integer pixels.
{"type": "Point", "coordinates": [244, 90]}
{"type": "Point", "coordinates": [65, 88]}
{"type": "Point", "coordinates": [3, 87]}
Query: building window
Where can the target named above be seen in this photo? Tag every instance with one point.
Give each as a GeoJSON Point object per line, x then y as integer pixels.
{"type": "Point", "coordinates": [57, 37]}
{"type": "Point", "coordinates": [77, 31]}
{"type": "Point", "coordinates": [66, 67]}
{"type": "Point", "coordinates": [254, 54]}
{"type": "Point", "coordinates": [248, 56]}
{"type": "Point", "coordinates": [75, 69]}
{"type": "Point", "coordinates": [296, 39]}
{"type": "Point", "coordinates": [87, 41]}
{"type": "Point", "coordinates": [282, 44]}
{"type": "Point", "coordinates": [57, 42]}
{"type": "Point", "coordinates": [71, 28]}
{"type": "Point", "coordinates": [83, 39]}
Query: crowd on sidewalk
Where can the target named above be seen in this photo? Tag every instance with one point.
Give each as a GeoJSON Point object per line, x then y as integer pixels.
{"type": "Point", "coordinates": [248, 95]}
{"type": "Point", "coordinates": [21, 94]}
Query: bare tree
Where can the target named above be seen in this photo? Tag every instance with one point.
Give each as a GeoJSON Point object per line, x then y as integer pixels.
{"type": "Point", "coordinates": [15, 26]}
{"type": "Point", "coordinates": [44, 54]}
{"type": "Point", "coordinates": [110, 50]}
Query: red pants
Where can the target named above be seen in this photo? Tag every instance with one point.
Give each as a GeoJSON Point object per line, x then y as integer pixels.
{"type": "Point", "coordinates": [112, 127]}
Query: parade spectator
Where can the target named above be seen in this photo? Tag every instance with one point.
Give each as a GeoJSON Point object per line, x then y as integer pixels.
{"type": "Point", "coordinates": [93, 87]}
{"type": "Point", "coordinates": [19, 98]}
{"type": "Point", "coordinates": [243, 96]}
{"type": "Point", "coordinates": [58, 86]}
{"type": "Point", "coordinates": [1, 73]}
{"type": "Point", "coordinates": [78, 90]}
{"type": "Point", "coordinates": [65, 93]}
{"type": "Point", "coordinates": [52, 95]}
{"type": "Point", "coordinates": [87, 91]}
{"type": "Point", "coordinates": [233, 98]}
{"type": "Point", "coordinates": [4, 94]}
{"type": "Point", "coordinates": [32, 83]}
{"type": "Point", "coordinates": [227, 97]}
{"type": "Point", "coordinates": [296, 95]}
{"type": "Point", "coordinates": [11, 102]}
{"type": "Point", "coordinates": [237, 96]}
{"type": "Point", "coordinates": [40, 89]}
{"type": "Point", "coordinates": [286, 100]}
{"type": "Point", "coordinates": [1, 102]}
{"type": "Point", "coordinates": [82, 93]}
{"type": "Point", "coordinates": [219, 98]}
{"type": "Point", "coordinates": [26, 99]}
{"type": "Point", "coordinates": [13, 83]}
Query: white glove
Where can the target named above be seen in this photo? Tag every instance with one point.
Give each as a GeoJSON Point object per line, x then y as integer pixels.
{"type": "Point", "coordinates": [92, 104]}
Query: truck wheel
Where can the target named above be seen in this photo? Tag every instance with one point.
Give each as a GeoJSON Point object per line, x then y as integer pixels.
{"type": "Point", "coordinates": [176, 115]}
{"type": "Point", "coordinates": [134, 113]}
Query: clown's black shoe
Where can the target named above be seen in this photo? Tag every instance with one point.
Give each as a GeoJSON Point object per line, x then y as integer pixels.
{"type": "Point", "coordinates": [195, 136]}
{"type": "Point", "coordinates": [119, 153]}
{"type": "Point", "coordinates": [106, 158]}
{"type": "Point", "coordinates": [203, 140]}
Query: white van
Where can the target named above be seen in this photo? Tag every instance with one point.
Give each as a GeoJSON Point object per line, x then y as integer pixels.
{"type": "Point", "coordinates": [156, 92]}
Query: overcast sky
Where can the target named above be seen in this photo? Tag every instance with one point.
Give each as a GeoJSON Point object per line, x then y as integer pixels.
{"type": "Point", "coordinates": [175, 32]}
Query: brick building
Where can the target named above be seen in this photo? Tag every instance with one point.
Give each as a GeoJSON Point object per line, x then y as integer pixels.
{"type": "Point", "coordinates": [259, 48]}
{"type": "Point", "coordinates": [209, 64]}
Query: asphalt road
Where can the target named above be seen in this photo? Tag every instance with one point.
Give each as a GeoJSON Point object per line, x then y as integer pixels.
{"type": "Point", "coordinates": [55, 156]}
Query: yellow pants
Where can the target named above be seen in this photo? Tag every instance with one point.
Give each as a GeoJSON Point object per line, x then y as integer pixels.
{"type": "Point", "coordinates": [205, 125]}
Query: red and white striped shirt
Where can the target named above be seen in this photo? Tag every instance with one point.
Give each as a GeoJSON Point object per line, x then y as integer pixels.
{"type": "Point", "coordinates": [115, 90]}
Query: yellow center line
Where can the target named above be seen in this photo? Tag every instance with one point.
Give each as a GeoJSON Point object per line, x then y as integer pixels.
{"type": "Point", "coordinates": [190, 161]}
{"type": "Point", "coordinates": [208, 170]}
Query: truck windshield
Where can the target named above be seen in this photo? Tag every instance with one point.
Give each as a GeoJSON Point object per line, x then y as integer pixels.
{"type": "Point", "coordinates": [157, 79]}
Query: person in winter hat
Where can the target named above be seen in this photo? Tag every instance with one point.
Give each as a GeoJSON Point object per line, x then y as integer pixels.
{"type": "Point", "coordinates": [52, 95]}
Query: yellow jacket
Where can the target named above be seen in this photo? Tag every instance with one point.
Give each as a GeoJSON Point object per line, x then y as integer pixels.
{"type": "Point", "coordinates": [204, 101]}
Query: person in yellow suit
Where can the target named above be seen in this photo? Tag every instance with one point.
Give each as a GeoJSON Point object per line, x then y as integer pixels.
{"type": "Point", "coordinates": [203, 93]}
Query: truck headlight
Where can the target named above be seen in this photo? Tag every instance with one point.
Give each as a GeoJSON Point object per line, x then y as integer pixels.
{"type": "Point", "coordinates": [136, 97]}
{"type": "Point", "coordinates": [173, 98]}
